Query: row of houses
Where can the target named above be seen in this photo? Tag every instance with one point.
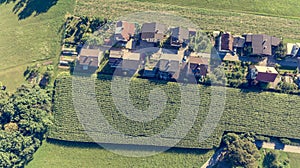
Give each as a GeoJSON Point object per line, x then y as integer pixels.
{"type": "Point", "coordinates": [256, 44]}
{"type": "Point", "coordinates": [164, 65]}
{"type": "Point", "coordinates": [154, 63]}
{"type": "Point", "coordinates": [152, 33]}
{"type": "Point", "coordinates": [158, 63]}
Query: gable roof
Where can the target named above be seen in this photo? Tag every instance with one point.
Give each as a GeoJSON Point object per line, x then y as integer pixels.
{"type": "Point", "coordinates": [89, 52]}
{"type": "Point", "coordinates": [116, 53]}
{"type": "Point", "coordinates": [124, 30]}
{"type": "Point", "coordinates": [266, 74]}
{"type": "Point", "coordinates": [198, 60]}
{"type": "Point", "coordinates": [180, 33]}
{"type": "Point", "coordinates": [169, 63]}
{"type": "Point", "coordinates": [89, 61]}
{"type": "Point", "coordinates": [227, 42]}
{"type": "Point", "coordinates": [153, 30]}
{"type": "Point", "coordinates": [238, 41]}
{"type": "Point", "coordinates": [261, 43]}
{"type": "Point", "coordinates": [131, 61]}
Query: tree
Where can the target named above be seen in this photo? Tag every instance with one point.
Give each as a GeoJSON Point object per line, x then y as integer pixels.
{"type": "Point", "coordinates": [287, 87]}
{"type": "Point", "coordinates": [25, 117]}
{"type": "Point", "coordinates": [271, 160]}
{"type": "Point", "coordinates": [280, 51]}
{"type": "Point", "coordinates": [240, 151]}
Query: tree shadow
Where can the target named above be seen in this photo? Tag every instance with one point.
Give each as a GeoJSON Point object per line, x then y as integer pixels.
{"type": "Point", "coordinates": [26, 8]}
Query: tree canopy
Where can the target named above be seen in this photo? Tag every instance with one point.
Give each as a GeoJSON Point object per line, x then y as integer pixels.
{"type": "Point", "coordinates": [24, 119]}
{"type": "Point", "coordinates": [240, 150]}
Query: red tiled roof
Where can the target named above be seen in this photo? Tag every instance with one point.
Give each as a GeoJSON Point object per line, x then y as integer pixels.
{"type": "Point", "coordinates": [266, 77]}
{"type": "Point", "coordinates": [127, 30]}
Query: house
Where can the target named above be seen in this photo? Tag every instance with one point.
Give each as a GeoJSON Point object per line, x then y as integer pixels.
{"type": "Point", "coordinates": [293, 49]}
{"type": "Point", "coordinates": [198, 66]}
{"type": "Point", "coordinates": [263, 74]}
{"type": "Point", "coordinates": [261, 44]}
{"type": "Point", "coordinates": [131, 62]}
{"type": "Point", "coordinates": [169, 66]}
{"type": "Point", "coordinates": [238, 43]}
{"type": "Point", "coordinates": [124, 31]}
{"type": "Point", "coordinates": [153, 32]}
{"type": "Point", "coordinates": [226, 43]}
{"type": "Point", "coordinates": [179, 37]}
{"type": "Point", "coordinates": [89, 58]}
{"type": "Point", "coordinates": [115, 57]}
{"type": "Point", "coordinates": [151, 64]}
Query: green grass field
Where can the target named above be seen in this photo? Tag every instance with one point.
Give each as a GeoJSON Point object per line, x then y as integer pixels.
{"type": "Point", "coordinates": [272, 7]}
{"type": "Point", "coordinates": [294, 159]}
{"type": "Point", "coordinates": [30, 40]}
{"type": "Point", "coordinates": [72, 155]}
{"type": "Point", "coordinates": [209, 18]}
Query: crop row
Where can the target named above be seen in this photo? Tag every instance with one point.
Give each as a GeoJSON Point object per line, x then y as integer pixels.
{"type": "Point", "coordinates": [265, 113]}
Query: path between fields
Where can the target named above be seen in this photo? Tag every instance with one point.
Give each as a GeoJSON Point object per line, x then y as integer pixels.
{"type": "Point", "coordinates": [214, 159]}
{"type": "Point", "coordinates": [281, 147]}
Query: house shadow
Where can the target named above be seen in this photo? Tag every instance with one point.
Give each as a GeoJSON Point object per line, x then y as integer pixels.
{"type": "Point", "coordinates": [26, 8]}
{"type": "Point", "coordinates": [279, 146]}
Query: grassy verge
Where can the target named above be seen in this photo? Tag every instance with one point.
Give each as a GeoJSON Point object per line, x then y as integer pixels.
{"type": "Point", "coordinates": [73, 155]}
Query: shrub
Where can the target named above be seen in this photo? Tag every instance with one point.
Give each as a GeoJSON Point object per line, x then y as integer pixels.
{"type": "Point", "coordinates": [285, 141]}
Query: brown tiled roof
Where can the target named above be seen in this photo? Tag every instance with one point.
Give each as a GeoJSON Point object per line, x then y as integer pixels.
{"type": "Point", "coordinates": [124, 30]}
{"type": "Point", "coordinates": [198, 60]}
{"type": "Point", "coordinates": [89, 52]}
{"type": "Point", "coordinates": [227, 42]}
{"type": "Point", "coordinates": [168, 65]}
{"type": "Point", "coordinates": [131, 61]}
{"type": "Point", "coordinates": [275, 41]}
{"type": "Point", "coordinates": [153, 30]}
{"type": "Point", "coordinates": [116, 53]}
{"type": "Point", "coordinates": [261, 43]}
{"type": "Point", "coordinates": [179, 33]}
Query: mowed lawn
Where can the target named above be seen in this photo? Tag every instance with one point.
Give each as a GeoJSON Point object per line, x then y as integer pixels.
{"type": "Point", "coordinates": [71, 155]}
{"type": "Point", "coordinates": [32, 39]}
{"type": "Point", "coordinates": [282, 8]}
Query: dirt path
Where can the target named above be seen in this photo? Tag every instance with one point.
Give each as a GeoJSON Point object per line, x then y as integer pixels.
{"type": "Point", "coordinates": [282, 147]}
{"type": "Point", "coordinates": [214, 159]}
